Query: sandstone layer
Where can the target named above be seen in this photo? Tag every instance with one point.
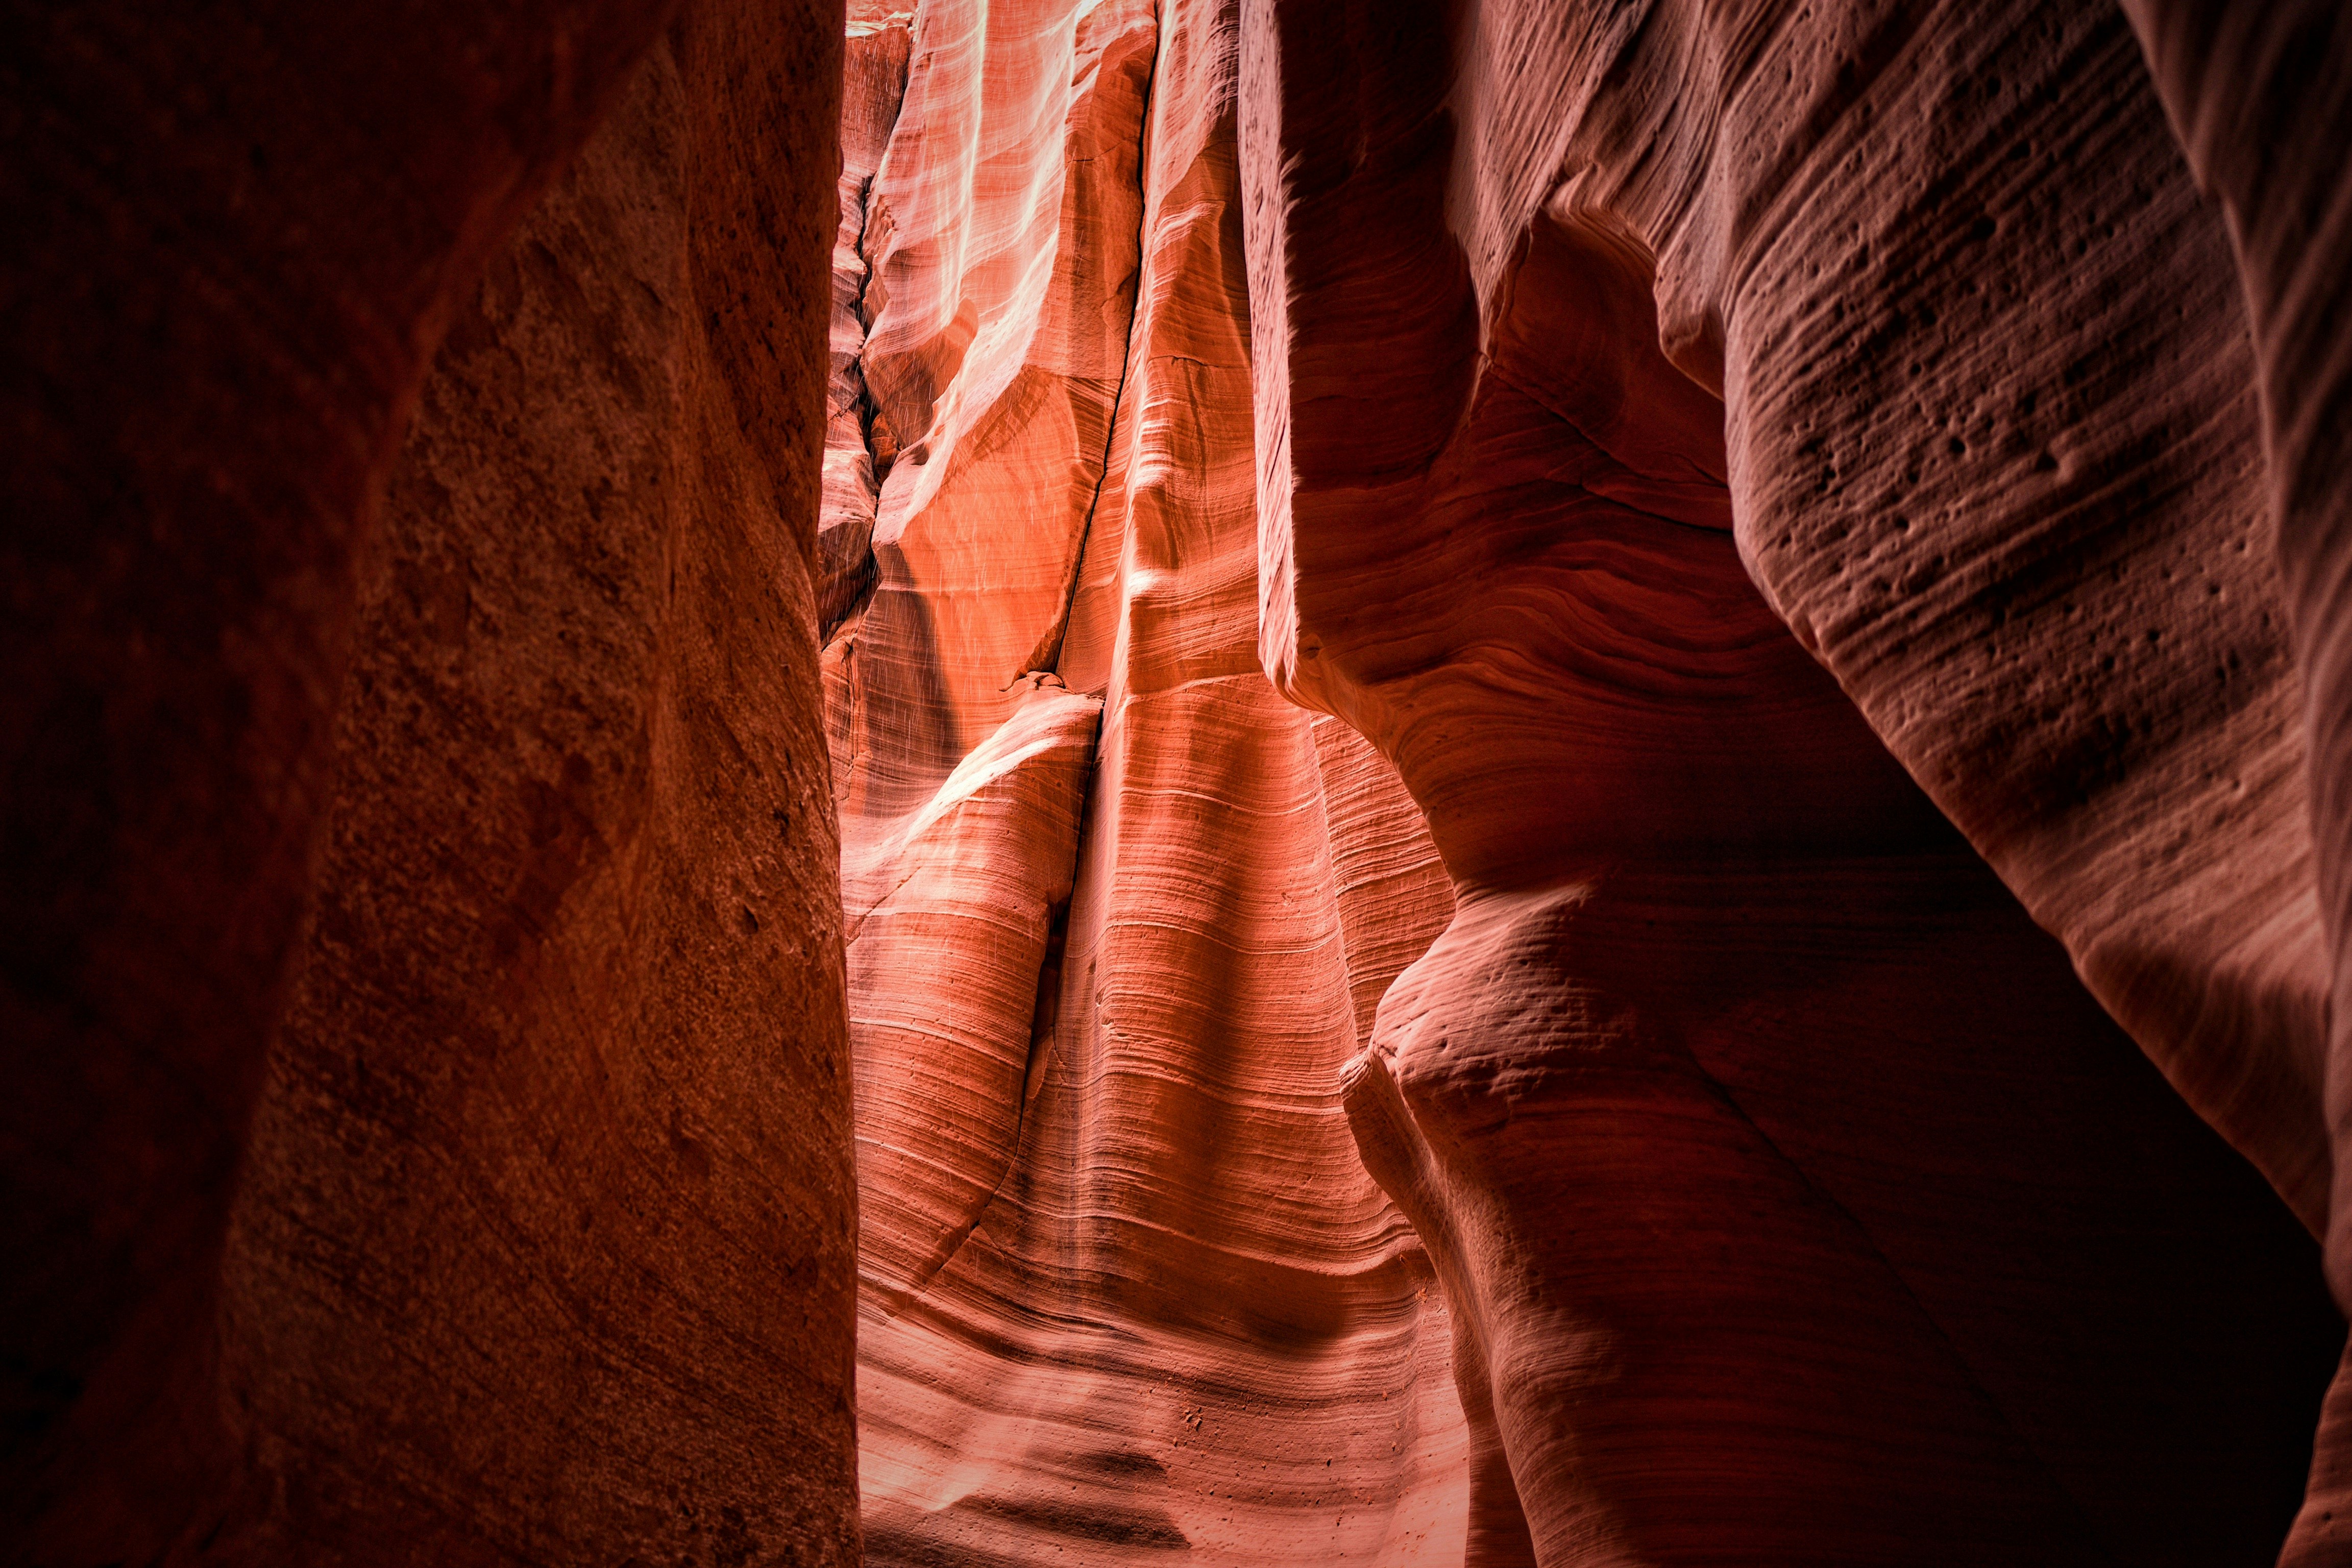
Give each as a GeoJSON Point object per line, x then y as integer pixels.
{"type": "Point", "coordinates": [2261, 101]}
{"type": "Point", "coordinates": [1511, 783]}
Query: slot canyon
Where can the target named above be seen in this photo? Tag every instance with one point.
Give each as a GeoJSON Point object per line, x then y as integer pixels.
{"type": "Point", "coordinates": [1519, 783]}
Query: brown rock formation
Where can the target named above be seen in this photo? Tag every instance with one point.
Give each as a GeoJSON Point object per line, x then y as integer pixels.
{"type": "Point", "coordinates": [542, 1232]}
{"type": "Point", "coordinates": [561, 1094]}
{"type": "Point", "coordinates": [2262, 100]}
{"type": "Point", "coordinates": [240, 233]}
{"type": "Point", "coordinates": [1699, 1135]}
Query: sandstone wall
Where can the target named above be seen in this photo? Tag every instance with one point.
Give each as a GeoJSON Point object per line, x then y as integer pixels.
{"type": "Point", "coordinates": [1711, 1151]}
{"type": "Point", "coordinates": [2261, 102]}
{"type": "Point", "coordinates": [1116, 913]}
{"type": "Point", "coordinates": [1768, 1226]}
{"type": "Point", "coordinates": [1581, 796]}
{"type": "Point", "coordinates": [242, 234]}
{"type": "Point", "coordinates": [546, 1235]}
{"type": "Point", "coordinates": [539, 1245]}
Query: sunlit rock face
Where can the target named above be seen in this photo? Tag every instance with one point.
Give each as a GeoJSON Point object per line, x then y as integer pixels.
{"type": "Point", "coordinates": [1117, 914]}
{"type": "Point", "coordinates": [874, 81]}
{"type": "Point", "coordinates": [1706, 453]}
{"type": "Point", "coordinates": [1769, 1227]}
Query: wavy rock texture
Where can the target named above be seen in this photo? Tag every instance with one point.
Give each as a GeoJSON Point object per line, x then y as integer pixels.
{"type": "Point", "coordinates": [2263, 103]}
{"type": "Point", "coordinates": [239, 233]}
{"type": "Point", "coordinates": [1114, 925]}
{"type": "Point", "coordinates": [999, 242]}
{"type": "Point", "coordinates": [1565, 744]}
{"type": "Point", "coordinates": [1767, 1233]}
{"type": "Point", "coordinates": [2143, 796]}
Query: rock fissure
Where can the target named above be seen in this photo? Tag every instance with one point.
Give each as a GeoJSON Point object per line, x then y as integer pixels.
{"type": "Point", "coordinates": [1048, 655]}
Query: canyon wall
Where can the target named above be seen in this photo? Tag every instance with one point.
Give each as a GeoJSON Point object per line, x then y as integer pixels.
{"type": "Point", "coordinates": [2261, 102]}
{"type": "Point", "coordinates": [1566, 809]}
{"type": "Point", "coordinates": [561, 1094]}
{"type": "Point", "coordinates": [533, 1241]}
{"type": "Point", "coordinates": [236, 262]}
{"type": "Point", "coordinates": [1767, 1226]}
{"type": "Point", "coordinates": [1117, 914]}
{"type": "Point", "coordinates": [1710, 1150]}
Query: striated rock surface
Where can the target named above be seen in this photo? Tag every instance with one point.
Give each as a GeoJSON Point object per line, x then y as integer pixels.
{"type": "Point", "coordinates": [1581, 796]}
{"type": "Point", "coordinates": [874, 80]}
{"type": "Point", "coordinates": [1769, 1227]}
{"type": "Point", "coordinates": [2262, 100]}
{"type": "Point", "coordinates": [238, 233]}
{"type": "Point", "coordinates": [998, 235]}
{"type": "Point", "coordinates": [1116, 913]}
{"type": "Point", "coordinates": [1763, 1225]}
{"type": "Point", "coordinates": [2142, 796]}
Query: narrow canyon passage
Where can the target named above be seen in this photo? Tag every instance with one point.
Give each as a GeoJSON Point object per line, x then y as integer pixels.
{"type": "Point", "coordinates": [1115, 910]}
{"type": "Point", "coordinates": [1760, 1229]}
{"type": "Point", "coordinates": [1270, 781]}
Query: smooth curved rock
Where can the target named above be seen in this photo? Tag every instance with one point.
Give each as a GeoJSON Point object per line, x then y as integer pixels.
{"type": "Point", "coordinates": [1760, 1223]}
{"type": "Point", "coordinates": [1919, 504]}
{"type": "Point", "coordinates": [956, 920]}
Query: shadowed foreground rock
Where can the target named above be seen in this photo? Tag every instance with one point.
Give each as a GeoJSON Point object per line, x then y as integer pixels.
{"type": "Point", "coordinates": [562, 1093]}
{"type": "Point", "coordinates": [541, 1235]}
{"type": "Point", "coordinates": [2262, 100]}
{"type": "Point", "coordinates": [239, 233]}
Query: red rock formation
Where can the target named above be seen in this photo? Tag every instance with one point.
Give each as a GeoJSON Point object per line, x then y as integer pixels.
{"type": "Point", "coordinates": [2262, 98]}
{"type": "Point", "coordinates": [239, 234]}
{"type": "Point", "coordinates": [543, 1231]}
{"type": "Point", "coordinates": [1699, 1133]}
{"type": "Point", "coordinates": [1987, 679]}
{"type": "Point", "coordinates": [1580, 1083]}
{"type": "Point", "coordinates": [557, 1123]}
{"type": "Point", "coordinates": [1498, 547]}
{"type": "Point", "coordinates": [1127, 1287]}
{"type": "Point", "coordinates": [874, 80]}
